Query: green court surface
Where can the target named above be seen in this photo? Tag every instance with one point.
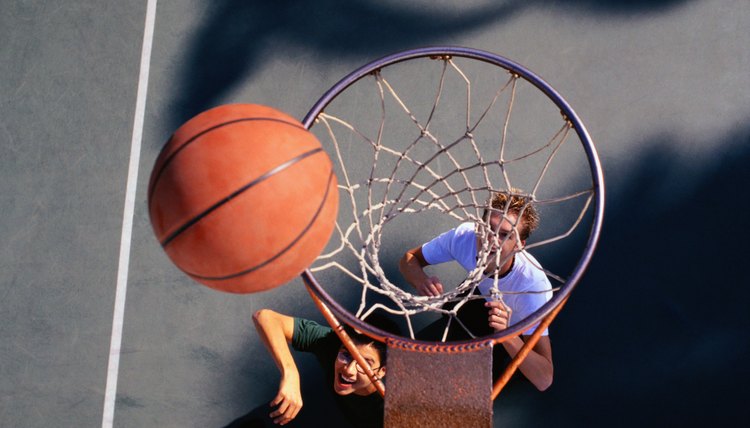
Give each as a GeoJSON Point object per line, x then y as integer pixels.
{"type": "Point", "coordinates": [654, 335]}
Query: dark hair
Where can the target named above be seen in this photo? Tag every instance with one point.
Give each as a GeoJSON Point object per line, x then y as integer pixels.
{"type": "Point", "coordinates": [379, 321]}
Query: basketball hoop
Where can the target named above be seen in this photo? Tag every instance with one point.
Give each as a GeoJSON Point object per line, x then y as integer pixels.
{"type": "Point", "coordinates": [429, 134]}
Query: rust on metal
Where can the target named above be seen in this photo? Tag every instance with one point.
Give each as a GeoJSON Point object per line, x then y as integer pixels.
{"type": "Point", "coordinates": [433, 348]}
{"type": "Point", "coordinates": [445, 389]}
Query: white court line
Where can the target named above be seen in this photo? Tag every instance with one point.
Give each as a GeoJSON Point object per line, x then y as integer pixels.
{"type": "Point", "coordinates": [127, 220]}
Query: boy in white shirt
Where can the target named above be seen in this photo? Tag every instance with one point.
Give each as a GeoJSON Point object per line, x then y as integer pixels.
{"type": "Point", "coordinates": [524, 286]}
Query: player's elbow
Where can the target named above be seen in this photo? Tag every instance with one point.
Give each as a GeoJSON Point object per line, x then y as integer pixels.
{"type": "Point", "coordinates": [412, 259]}
{"type": "Point", "coordinates": [545, 381]}
{"type": "Point", "coordinates": [262, 315]}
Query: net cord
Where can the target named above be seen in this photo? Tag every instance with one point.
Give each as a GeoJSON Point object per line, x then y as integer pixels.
{"type": "Point", "coordinates": [371, 240]}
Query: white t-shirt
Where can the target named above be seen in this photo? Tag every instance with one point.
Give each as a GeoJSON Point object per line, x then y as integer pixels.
{"type": "Point", "coordinates": [460, 245]}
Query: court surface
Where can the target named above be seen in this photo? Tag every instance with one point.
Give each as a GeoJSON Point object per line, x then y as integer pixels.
{"type": "Point", "coordinates": [655, 334]}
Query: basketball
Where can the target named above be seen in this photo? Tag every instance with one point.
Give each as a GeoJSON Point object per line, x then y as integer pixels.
{"type": "Point", "coordinates": [242, 198]}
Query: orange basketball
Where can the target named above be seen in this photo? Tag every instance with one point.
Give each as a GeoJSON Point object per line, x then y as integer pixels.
{"type": "Point", "coordinates": [243, 198]}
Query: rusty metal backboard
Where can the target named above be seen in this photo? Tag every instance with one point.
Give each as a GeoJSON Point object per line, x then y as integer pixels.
{"type": "Point", "coordinates": [441, 389]}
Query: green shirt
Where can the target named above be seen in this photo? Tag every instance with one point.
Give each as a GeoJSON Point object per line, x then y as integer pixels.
{"type": "Point", "coordinates": [321, 341]}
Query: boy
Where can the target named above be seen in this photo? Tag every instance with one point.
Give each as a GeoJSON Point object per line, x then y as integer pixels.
{"type": "Point", "coordinates": [519, 275]}
{"type": "Point", "coordinates": [354, 392]}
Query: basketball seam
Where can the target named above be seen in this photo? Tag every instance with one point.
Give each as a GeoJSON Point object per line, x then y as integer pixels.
{"type": "Point", "coordinates": [280, 252]}
{"type": "Point", "coordinates": [169, 159]}
{"type": "Point", "coordinates": [197, 218]}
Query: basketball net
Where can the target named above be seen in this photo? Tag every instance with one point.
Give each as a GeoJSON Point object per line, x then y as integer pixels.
{"type": "Point", "coordinates": [450, 172]}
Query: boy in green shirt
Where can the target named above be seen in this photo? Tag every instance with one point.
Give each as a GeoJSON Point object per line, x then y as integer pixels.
{"type": "Point", "coordinates": [355, 394]}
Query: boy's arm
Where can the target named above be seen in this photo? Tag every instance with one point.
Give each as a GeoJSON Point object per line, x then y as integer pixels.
{"type": "Point", "coordinates": [276, 331]}
{"type": "Point", "coordinates": [412, 268]}
{"type": "Point", "coordinates": [537, 366]}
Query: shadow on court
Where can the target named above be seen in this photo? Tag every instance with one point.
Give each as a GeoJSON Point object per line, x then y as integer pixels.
{"type": "Point", "coordinates": [615, 7]}
{"type": "Point", "coordinates": [656, 334]}
{"type": "Point", "coordinates": [239, 35]}
{"type": "Point", "coordinates": [657, 324]}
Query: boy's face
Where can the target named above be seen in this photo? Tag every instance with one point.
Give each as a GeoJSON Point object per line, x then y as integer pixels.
{"type": "Point", "coordinates": [505, 238]}
{"type": "Point", "coordinates": [349, 378]}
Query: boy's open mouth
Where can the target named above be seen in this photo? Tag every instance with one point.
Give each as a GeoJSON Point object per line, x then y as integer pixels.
{"type": "Point", "coordinates": [344, 381]}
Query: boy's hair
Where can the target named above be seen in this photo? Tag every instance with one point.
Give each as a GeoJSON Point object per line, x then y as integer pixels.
{"type": "Point", "coordinates": [381, 322]}
{"type": "Point", "coordinates": [529, 219]}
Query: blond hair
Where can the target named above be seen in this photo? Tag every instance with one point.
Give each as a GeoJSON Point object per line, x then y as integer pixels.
{"type": "Point", "coordinates": [514, 203]}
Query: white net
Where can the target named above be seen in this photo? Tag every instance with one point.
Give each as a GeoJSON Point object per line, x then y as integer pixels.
{"type": "Point", "coordinates": [421, 146]}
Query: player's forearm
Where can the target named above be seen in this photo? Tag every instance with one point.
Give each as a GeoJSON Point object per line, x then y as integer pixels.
{"type": "Point", "coordinates": [275, 330]}
{"type": "Point", "coordinates": [537, 368]}
{"type": "Point", "coordinates": [412, 270]}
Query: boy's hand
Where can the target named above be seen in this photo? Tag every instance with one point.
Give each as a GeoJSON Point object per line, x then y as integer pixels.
{"type": "Point", "coordinates": [288, 400]}
{"type": "Point", "coordinates": [499, 315]}
{"type": "Point", "coordinates": [430, 286]}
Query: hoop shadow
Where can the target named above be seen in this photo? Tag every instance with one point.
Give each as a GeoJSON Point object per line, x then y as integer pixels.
{"type": "Point", "coordinates": [238, 35]}
{"type": "Point", "coordinates": [660, 316]}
